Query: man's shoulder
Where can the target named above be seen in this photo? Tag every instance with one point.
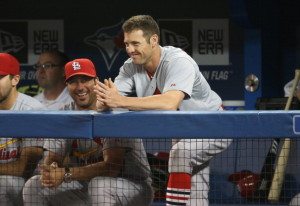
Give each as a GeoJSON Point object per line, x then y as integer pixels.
{"type": "Point", "coordinates": [39, 96]}
{"type": "Point", "coordinates": [25, 102]}
{"type": "Point", "coordinates": [65, 97]}
{"type": "Point", "coordinates": [129, 64]}
{"type": "Point", "coordinates": [170, 52]}
{"type": "Point", "coordinates": [173, 57]}
{"type": "Point", "coordinates": [130, 67]}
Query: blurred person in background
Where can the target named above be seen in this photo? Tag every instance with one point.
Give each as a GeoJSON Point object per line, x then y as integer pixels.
{"type": "Point", "coordinates": [51, 77]}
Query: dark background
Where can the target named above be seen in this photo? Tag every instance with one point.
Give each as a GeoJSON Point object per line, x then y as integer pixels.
{"type": "Point", "coordinates": [263, 35]}
{"type": "Point", "coordinates": [264, 39]}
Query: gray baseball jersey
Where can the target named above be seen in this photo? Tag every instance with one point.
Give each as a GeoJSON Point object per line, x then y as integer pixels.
{"type": "Point", "coordinates": [83, 152]}
{"type": "Point", "coordinates": [57, 104]}
{"type": "Point", "coordinates": [10, 148]}
{"type": "Point", "coordinates": [178, 71]}
{"type": "Point", "coordinates": [131, 187]}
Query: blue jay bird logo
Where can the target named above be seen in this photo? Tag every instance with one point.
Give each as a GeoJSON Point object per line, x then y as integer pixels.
{"type": "Point", "coordinates": [109, 41]}
{"type": "Point", "coordinates": [10, 42]}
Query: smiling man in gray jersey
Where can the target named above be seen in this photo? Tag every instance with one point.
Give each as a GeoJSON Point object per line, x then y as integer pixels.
{"type": "Point", "coordinates": [18, 156]}
{"type": "Point", "coordinates": [166, 78]}
{"type": "Point", "coordinates": [103, 171]}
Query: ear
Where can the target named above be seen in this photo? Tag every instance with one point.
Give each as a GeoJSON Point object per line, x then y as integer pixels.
{"type": "Point", "coordinates": [15, 80]}
{"type": "Point", "coordinates": [154, 40]}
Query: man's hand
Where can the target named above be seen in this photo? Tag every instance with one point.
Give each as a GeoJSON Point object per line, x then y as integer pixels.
{"type": "Point", "coordinates": [51, 175]}
{"type": "Point", "coordinates": [107, 94]}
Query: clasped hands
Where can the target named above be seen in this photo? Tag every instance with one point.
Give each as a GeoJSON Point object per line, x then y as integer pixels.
{"type": "Point", "coordinates": [107, 94]}
{"type": "Point", "coordinates": [51, 175]}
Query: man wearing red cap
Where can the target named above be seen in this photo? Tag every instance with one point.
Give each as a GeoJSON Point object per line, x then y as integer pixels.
{"type": "Point", "coordinates": [103, 171]}
{"type": "Point", "coordinates": [18, 157]}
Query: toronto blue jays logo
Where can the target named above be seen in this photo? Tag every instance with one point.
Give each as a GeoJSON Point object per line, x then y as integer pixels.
{"type": "Point", "coordinates": [10, 42]}
{"type": "Point", "coordinates": [109, 41]}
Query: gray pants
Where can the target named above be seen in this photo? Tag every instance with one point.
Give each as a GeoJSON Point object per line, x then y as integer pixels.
{"type": "Point", "coordinates": [295, 200]}
{"type": "Point", "coordinates": [192, 156]}
{"type": "Point", "coordinates": [73, 193]}
{"type": "Point", "coordinates": [104, 191]}
{"type": "Point", "coordinates": [11, 190]}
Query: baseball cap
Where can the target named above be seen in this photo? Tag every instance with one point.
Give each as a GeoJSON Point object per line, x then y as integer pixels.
{"type": "Point", "coordinates": [9, 64]}
{"type": "Point", "coordinates": [80, 67]}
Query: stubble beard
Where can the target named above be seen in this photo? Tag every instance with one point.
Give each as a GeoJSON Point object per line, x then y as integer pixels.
{"type": "Point", "coordinates": [4, 98]}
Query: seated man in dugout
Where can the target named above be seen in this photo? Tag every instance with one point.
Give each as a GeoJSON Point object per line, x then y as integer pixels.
{"type": "Point", "coordinates": [18, 156]}
{"type": "Point", "coordinates": [51, 77]}
{"type": "Point", "coordinates": [103, 171]}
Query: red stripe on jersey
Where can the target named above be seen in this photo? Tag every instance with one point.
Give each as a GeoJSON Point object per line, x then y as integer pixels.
{"type": "Point", "coordinates": [156, 91]}
{"type": "Point", "coordinates": [150, 75]}
{"type": "Point", "coordinates": [176, 197]}
{"type": "Point", "coordinates": [74, 144]}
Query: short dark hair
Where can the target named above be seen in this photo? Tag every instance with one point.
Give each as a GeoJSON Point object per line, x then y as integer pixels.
{"type": "Point", "coordinates": [62, 57]}
{"type": "Point", "coordinates": [142, 22]}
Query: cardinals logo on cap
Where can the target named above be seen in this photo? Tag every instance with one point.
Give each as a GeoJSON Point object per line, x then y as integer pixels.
{"type": "Point", "coordinates": [80, 67]}
{"type": "Point", "coordinates": [76, 65]}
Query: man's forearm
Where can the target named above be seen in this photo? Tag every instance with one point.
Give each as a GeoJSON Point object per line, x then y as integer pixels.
{"type": "Point", "coordinates": [93, 170]}
{"type": "Point", "coordinates": [15, 168]}
{"type": "Point", "coordinates": [24, 165]}
{"type": "Point", "coordinates": [156, 102]}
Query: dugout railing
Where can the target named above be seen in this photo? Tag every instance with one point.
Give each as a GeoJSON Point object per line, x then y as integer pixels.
{"type": "Point", "coordinates": [252, 133]}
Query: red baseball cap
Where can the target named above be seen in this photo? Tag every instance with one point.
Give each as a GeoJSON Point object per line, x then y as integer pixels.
{"type": "Point", "coordinates": [9, 64]}
{"type": "Point", "coordinates": [80, 67]}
